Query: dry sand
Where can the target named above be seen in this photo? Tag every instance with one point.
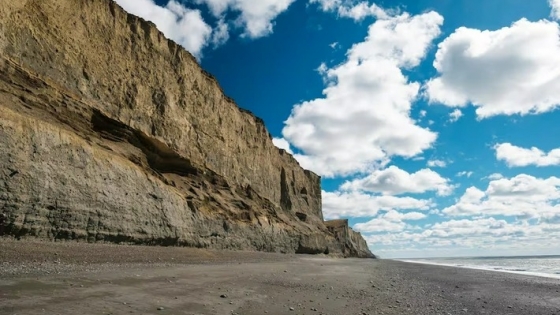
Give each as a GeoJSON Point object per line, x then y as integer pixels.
{"type": "Point", "coordinates": [74, 278]}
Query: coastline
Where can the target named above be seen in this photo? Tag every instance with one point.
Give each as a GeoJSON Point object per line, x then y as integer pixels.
{"type": "Point", "coordinates": [40, 278]}
{"type": "Point", "coordinates": [488, 268]}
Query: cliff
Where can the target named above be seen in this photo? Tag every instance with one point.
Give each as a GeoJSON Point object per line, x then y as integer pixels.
{"type": "Point", "coordinates": [109, 132]}
{"type": "Point", "coordinates": [352, 243]}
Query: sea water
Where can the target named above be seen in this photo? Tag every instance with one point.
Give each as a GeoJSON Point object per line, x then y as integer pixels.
{"type": "Point", "coordinates": [544, 266]}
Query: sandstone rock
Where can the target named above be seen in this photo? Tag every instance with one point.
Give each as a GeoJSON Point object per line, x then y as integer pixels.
{"type": "Point", "coordinates": [353, 244]}
{"type": "Point", "coordinates": [109, 132]}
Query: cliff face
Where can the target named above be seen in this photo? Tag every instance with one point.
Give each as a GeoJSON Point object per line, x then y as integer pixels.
{"type": "Point", "coordinates": [352, 243]}
{"type": "Point", "coordinates": [111, 132]}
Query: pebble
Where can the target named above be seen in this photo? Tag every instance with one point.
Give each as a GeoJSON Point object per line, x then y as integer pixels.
{"type": "Point", "coordinates": [160, 308]}
{"type": "Point", "coordinates": [291, 308]}
{"type": "Point", "coordinates": [223, 296]}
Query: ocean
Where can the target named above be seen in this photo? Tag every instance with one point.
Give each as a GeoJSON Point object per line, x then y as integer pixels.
{"type": "Point", "coordinates": [543, 266]}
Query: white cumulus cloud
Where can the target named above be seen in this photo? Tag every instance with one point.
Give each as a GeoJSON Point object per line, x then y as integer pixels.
{"type": "Point", "coordinates": [281, 143]}
{"type": "Point", "coordinates": [395, 181]}
{"type": "Point", "coordinates": [256, 17]}
{"type": "Point", "coordinates": [399, 216]}
{"type": "Point", "coordinates": [392, 221]}
{"type": "Point", "coordinates": [182, 25]}
{"type": "Point", "coordinates": [555, 4]}
{"type": "Point", "coordinates": [436, 163]}
{"type": "Point", "coordinates": [455, 115]}
{"type": "Point", "coordinates": [364, 117]}
{"type": "Point", "coordinates": [517, 157]}
{"type": "Point", "coordinates": [495, 176]}
{"type": "Point", "coordinates": [478, 227]}
{"type": "Point", "coordinates": [380, 225]}
{"type": "Point", "coordinates": [353, 9]}
{"type": "Point", "coordinates": [523, 196]}
{"type": "Point", "coordinates": [362, 10]}
{"type": "Point", "coordinates": [221, 33]}
{"type": "Point", "coordinates": [481, 236]}
{"type": "Point", "coordinates": [513, 70]}
{"type": "Point", "coordinates": [362, 205]}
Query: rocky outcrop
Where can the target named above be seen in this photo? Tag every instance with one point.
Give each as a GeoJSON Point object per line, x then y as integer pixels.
{"type": "Point", "coordinates": [110, 132]}
{"type": "Point", "coordinates": [352, 242]}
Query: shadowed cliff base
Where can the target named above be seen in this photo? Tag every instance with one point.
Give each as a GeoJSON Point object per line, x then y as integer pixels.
{"type": "Point", "coordinates": [109, 132]}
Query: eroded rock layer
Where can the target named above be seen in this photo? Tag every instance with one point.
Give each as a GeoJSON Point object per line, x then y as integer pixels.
{"type": "Point", "coordinates": [110, 132]}
{"type": "Point", "coordinates": [352, 244]}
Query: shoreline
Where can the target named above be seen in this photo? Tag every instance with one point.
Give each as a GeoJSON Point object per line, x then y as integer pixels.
{"type": "Point", "coordinates": [491, 269]}
{"type": "Point", "coordinates": [41, 278]}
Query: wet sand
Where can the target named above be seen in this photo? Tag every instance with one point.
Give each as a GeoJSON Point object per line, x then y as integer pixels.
{"type": "Point", "coordinates": [72, 278]}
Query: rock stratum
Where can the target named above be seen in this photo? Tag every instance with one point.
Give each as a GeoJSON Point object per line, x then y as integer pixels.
{"type": "Point", "coordinates": [109, 132]}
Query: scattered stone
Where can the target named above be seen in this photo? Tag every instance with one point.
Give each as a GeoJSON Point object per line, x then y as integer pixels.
{"type": "Point", "coordinates": [223, 296]}
{"type": "Point", "coordinates": [160, 308]}
{"type": "Point", "coordinates": [291, 308]}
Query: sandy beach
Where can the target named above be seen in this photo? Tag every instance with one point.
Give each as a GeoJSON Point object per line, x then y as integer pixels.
{"type": "Point", "coordinates": [78, 278]}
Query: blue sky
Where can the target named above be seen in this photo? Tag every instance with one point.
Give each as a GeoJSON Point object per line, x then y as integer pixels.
{"type": "Point", "coordinates": [433, 123]}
